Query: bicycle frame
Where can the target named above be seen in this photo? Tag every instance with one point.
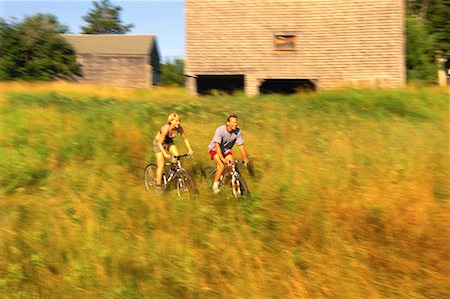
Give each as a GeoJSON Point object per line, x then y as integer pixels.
{"type": "Point", "coordinates": [175, 170]}
{"type": "Point", "coordinates": [185, 186]}
{"type": "Point", "coordinates": [237, 182]}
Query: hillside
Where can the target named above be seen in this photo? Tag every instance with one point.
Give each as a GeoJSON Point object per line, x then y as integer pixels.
{"type": "Point", "coordinates": [350, 198]}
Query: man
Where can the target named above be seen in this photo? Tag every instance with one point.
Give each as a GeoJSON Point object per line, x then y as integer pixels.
{"type": "Point", "coordinates": [220, 147]}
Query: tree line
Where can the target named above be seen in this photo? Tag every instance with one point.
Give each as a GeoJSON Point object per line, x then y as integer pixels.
{"type": "Point", "coordinates": [427, 38]}
{"type": "Point", "coordinates": [33, 48]}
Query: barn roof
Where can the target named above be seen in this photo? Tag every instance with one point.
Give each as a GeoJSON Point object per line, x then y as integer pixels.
{"type": "Point", "coordinates": [111, 43]}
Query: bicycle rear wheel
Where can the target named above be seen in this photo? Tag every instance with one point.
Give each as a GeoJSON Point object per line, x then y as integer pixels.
{"type": "Point", "coordinates": [208, 175]}
{"type": "Point", "coordinates": [185, 186]}
{"type": "Point", "coordinates": [150, 177]}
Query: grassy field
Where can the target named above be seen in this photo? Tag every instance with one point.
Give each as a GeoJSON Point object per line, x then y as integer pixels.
{"type": "Point", "coordinates": [350, 198]}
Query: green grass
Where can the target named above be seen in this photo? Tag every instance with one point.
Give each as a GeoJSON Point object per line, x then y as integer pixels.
{"type": "Point", "coordinates": [350, 198]}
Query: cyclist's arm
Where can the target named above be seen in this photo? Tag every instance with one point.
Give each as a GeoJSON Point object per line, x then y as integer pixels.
{"type": "Point", "coordinates": [240, 143]}
{"type": "Point", "coordinates": [162, 136]}
{"type": "Point", "coordinates": [186, 141]}
{"type": "Point", "coordinates": [244, 154]}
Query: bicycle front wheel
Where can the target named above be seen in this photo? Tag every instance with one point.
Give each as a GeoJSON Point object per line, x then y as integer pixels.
{"type": "Point", "coordinates": [150, 177]}
{"type": "Point", "coordinates": [239, 187]}
{"type": "Point", "coordinates": [185, 186]}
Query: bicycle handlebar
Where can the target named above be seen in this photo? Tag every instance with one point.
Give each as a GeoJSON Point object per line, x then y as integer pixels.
{"type": "Point", "coordinates": [180, 156]}
{"type": "Point", "coordinates": [249, 166]}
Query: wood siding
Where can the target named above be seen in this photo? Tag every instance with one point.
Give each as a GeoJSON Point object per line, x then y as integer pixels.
{"type": "Point", "coordinates": [116, 70]}
{"type": "Point", "coordinates": [337, 41]}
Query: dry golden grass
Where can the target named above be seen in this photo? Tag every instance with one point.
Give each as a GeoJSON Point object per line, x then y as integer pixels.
{"type": "Point", "coordinates": [156, 94]}
{"type": "Point", "coordinates": [345, 203]}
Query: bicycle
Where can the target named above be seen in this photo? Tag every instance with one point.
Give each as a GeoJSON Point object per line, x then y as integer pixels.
{"type": "Point", "coordinates": [230, 177]}
{"type": "Point", "coordinates": [173, 174]}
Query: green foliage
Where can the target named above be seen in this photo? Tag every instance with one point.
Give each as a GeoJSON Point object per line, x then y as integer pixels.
{"type": "Point", "coordinates": [435, 15]}
{"type": "Point", "coordinates": [380, 105]}
{"type": "Point", "coordinates": [172, 73]}
{"type": "Point", "coordinates": [420, 62]}
{"type": "Point", "coordinates": [104, 19]}
{"type": "Point", "coordinates": [428, 38]}
{"type": "Point", "coordinates": [340, 192]}
{"type": "Point", "coordinates": [28, 170]}
{"type": "Point", "coordinates": [15, 273]}
{"type": "Point", "coordinates": [34, 50]}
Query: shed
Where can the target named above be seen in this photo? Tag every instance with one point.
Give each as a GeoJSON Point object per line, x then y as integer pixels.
{"type": "Point", "coordinates": [123, 60]}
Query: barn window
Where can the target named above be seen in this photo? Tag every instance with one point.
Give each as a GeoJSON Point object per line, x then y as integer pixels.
{"type": "Point", "coordinates": [284, 42]}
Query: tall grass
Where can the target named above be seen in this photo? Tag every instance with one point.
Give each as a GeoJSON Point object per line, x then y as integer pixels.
{"type": "Point", "coordinates": [350, 197]}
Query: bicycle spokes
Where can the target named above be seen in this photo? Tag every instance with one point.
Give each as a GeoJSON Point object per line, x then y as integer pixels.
{"type": "Point", "coordinates": [185, 187]}
{"type": "Point", "coordinates": [150, 177]}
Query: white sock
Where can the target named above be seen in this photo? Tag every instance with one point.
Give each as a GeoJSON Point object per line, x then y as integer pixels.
{"type": "Point", "coordinates": [216, 185]}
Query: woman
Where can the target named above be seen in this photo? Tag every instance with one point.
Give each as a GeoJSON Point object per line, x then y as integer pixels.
{"type": "Point", "coordinates": [163, 144]}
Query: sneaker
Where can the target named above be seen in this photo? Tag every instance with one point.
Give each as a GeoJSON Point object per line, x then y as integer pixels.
{"type": "Point", "coordinates": [216, 190]}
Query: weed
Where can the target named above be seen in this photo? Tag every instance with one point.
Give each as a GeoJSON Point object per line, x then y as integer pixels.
{"type": "Point", "coordinates": [349, 198]}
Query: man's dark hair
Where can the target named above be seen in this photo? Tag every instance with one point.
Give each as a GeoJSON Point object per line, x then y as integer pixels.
{"type": "Point", "coordinates": [231, 116]}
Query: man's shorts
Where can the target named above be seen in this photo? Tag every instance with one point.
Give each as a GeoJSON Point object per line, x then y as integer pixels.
{"type": "Point", "coordinates": [213, 153]}
{"type": "Point", "coordinates": [156, 147]}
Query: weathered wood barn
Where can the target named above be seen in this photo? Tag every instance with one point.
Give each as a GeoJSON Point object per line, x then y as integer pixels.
{"type": "Point", "coordinates": [279, 45]}
{"type": "Point", "coordinates": [123, 60]}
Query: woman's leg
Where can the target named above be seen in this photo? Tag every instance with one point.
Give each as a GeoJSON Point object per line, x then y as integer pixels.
{"type": "Point", "coordinates": [160, 167]}
{"type": "Point", "coordinates": [173, 150]}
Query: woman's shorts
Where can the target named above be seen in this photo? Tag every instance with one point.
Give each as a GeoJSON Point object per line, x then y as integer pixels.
{"type": "Point", "coordinates": [156, 147]}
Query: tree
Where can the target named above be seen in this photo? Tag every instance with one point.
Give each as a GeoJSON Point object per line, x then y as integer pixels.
{"type": "Point", "coordinates": [435, 15]}
{"type": "Point", "coordinates": [34, 50]}
{"type": "Point", "coordinates": [420, 63]}
{"type": "Point", "coordinates": [438, 21]}
{"type": "Point", "coordinates": [104, 19]}
{"type": "Point", "coordinates": [172, 73]}
{"type": "Point", "coordinates": [428, 37]}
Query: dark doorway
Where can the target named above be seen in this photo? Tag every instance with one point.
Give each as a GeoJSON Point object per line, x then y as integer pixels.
{"type": "Point", "coordinates": [286, 86]}
{"type": "Point", "coordinates": [224, 83]}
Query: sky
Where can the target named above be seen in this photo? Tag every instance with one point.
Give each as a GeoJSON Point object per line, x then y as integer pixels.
{"type": "Point", "coordinates": [164, 18]}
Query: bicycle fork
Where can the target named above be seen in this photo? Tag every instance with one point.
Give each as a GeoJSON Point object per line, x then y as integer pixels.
{"type": "Point", "coordinates": [180, 183]}
{"type": "Point", "coordinates": [235, 185]}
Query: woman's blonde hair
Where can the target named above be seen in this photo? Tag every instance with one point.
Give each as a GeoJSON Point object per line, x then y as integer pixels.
{"type": "Point", "coordinates": [172, 116]}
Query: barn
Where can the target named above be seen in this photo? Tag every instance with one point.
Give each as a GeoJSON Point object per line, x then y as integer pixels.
{"type": "Point", "coordinates": [122, 60]}
{"type": "Point", "coordinates": [263, 46]}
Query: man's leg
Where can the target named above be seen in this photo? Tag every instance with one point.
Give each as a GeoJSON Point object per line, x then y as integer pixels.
{"type": "Point", "coordinates": [220, 168]}
{"type": "Point", "coordinates": [230, 157]}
